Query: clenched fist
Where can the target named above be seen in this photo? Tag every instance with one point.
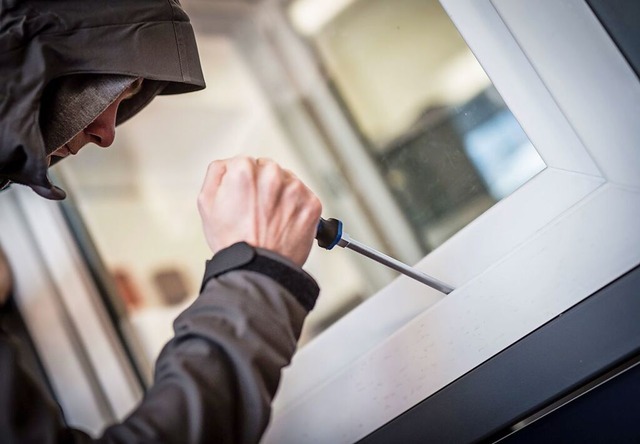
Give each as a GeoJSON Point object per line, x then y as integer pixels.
{"type": "Point", "coordinates": [258, 202]}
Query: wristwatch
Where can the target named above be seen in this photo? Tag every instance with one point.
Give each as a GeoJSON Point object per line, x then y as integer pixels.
{"type": "Point", "coordinates": [242, 256]}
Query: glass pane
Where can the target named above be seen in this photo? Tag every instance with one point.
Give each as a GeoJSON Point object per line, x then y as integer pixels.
{"type": "Point", "coordinates": [439, 132]}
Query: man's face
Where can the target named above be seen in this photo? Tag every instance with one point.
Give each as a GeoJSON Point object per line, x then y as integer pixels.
{"type": "Point", "coordinates": [102, 130]}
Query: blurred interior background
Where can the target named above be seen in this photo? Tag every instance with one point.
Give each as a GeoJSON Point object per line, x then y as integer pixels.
{"type": "Point", "coordinates": [378, 105]}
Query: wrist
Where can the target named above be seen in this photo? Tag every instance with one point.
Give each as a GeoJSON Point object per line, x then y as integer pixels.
{"type": "Point", "coordinates": [242, 256]}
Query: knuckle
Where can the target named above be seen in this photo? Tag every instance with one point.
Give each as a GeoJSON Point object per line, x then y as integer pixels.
{"type": "Point", "coordinates": [245, 162]}
{"type": "Point", "coordinates": [313, 209]}
{"type": "Point", "coordinates": [215, 170]}
{"type": "Point", "coordinates": [298, 187]}
{"type": "Point", "coordinates": [201, 203]}
{"type": "Point", "coordinates": [316, 206]}
{"type": "Point", "coordinates": [243, 169]}
{"type": "Point", "coordinates": [265, 161]}
{"type": "Point", "coordinates": [214, 165]}
{"type": "Point", "coordinates": [272, 171]}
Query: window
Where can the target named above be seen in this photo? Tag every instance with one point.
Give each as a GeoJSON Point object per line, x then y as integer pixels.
{"type": "Point", "coordinates": [558, 238]}
{"type": "Point", "coordinates": [561, 235]}
{"type": "Point", "coordinates": [426, 146]}
{"type": "Point", "coordinates": [439, 134]}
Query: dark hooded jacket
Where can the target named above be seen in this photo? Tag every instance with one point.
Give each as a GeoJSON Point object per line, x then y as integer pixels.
{"type": "Point", "coordinates": [41, 40]}
{"type": "Point", "coordinates": [214, 381]}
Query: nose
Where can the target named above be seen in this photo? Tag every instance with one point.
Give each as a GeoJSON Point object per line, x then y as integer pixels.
{"type": "Point", "coordinates": [102, 131]}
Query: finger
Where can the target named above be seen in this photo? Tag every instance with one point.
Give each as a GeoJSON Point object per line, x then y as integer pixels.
{"type": "Point", "coordinates": [287, 174]}
{"type": "Point", "coordinates": [270, 185]}
{"type": "Point", "coordinates": [212, 179]}
{"type": "Point", "coordinates": [261, 161]}
{"type": "Point", "coordinates": [243, 172]}
{"type": "Point", "coordinates": [270, 164]}
{"type": "Point", "coordinates": [290, 175]}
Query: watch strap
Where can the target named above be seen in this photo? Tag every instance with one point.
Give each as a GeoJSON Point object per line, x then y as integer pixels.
{"type": "Point", "coordinates": [242, 256]}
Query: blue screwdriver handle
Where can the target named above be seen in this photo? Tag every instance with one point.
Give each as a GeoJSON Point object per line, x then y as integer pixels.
{"type": "Point", "coordinates": [329, 233]}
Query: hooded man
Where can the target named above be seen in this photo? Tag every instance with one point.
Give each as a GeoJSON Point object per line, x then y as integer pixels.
{"type": "Point", "coordinates": [70, 71]}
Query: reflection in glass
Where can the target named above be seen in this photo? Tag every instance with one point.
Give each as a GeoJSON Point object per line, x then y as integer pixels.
{"type": "Point", "coordinates": [439, 132]}
{"type": "Point", "coordinates": [455, 163]}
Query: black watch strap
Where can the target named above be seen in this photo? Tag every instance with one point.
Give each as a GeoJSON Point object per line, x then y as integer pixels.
{"type": "Point", "coordinates": [242, 256]}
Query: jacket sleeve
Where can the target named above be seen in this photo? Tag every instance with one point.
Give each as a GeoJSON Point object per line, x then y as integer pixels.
{"type": "Point", "coordinates": [28, 411]}
{"type": "Point", "coordinates": [214, 381]}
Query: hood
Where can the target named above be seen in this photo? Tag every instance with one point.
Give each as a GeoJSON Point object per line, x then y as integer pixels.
{"type": "Point", "coordinates": [42, 40]}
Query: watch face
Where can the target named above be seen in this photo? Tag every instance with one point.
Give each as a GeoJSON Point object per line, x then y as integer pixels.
{"type": "Point", "coordinates": [230, 258]}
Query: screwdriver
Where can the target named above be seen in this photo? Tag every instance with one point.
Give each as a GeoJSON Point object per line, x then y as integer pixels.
{"type": "Point", "coordinates": [330, 234]}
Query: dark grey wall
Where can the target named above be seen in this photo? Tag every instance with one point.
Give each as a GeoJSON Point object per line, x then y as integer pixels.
{"type": "Point", "coordinates": [607, 414]}
{"type": "Point", "coordinates": [621, 19]}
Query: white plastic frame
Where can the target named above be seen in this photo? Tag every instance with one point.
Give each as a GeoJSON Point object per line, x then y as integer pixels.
{"type": "Point", "coordinates": [84, 360]}
{"type": "Point", "coordinates": [566, 233]}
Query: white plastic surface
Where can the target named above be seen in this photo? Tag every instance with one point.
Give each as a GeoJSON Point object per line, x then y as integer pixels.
{"type": "Point", "coordinates": [565, 234]}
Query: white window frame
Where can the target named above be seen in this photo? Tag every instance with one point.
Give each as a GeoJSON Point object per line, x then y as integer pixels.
{"type": "Point", "coordinates": [563, 235]}
{"type": "Point", "coordinates": [84, 359]}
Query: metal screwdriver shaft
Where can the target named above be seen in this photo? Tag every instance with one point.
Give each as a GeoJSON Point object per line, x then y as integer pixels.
{"type": "Point", "coordinates": [330, 234]}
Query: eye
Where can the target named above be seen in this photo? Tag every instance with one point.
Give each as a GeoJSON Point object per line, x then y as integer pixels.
{"type": "Point", "coordinates": [133, 89]}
